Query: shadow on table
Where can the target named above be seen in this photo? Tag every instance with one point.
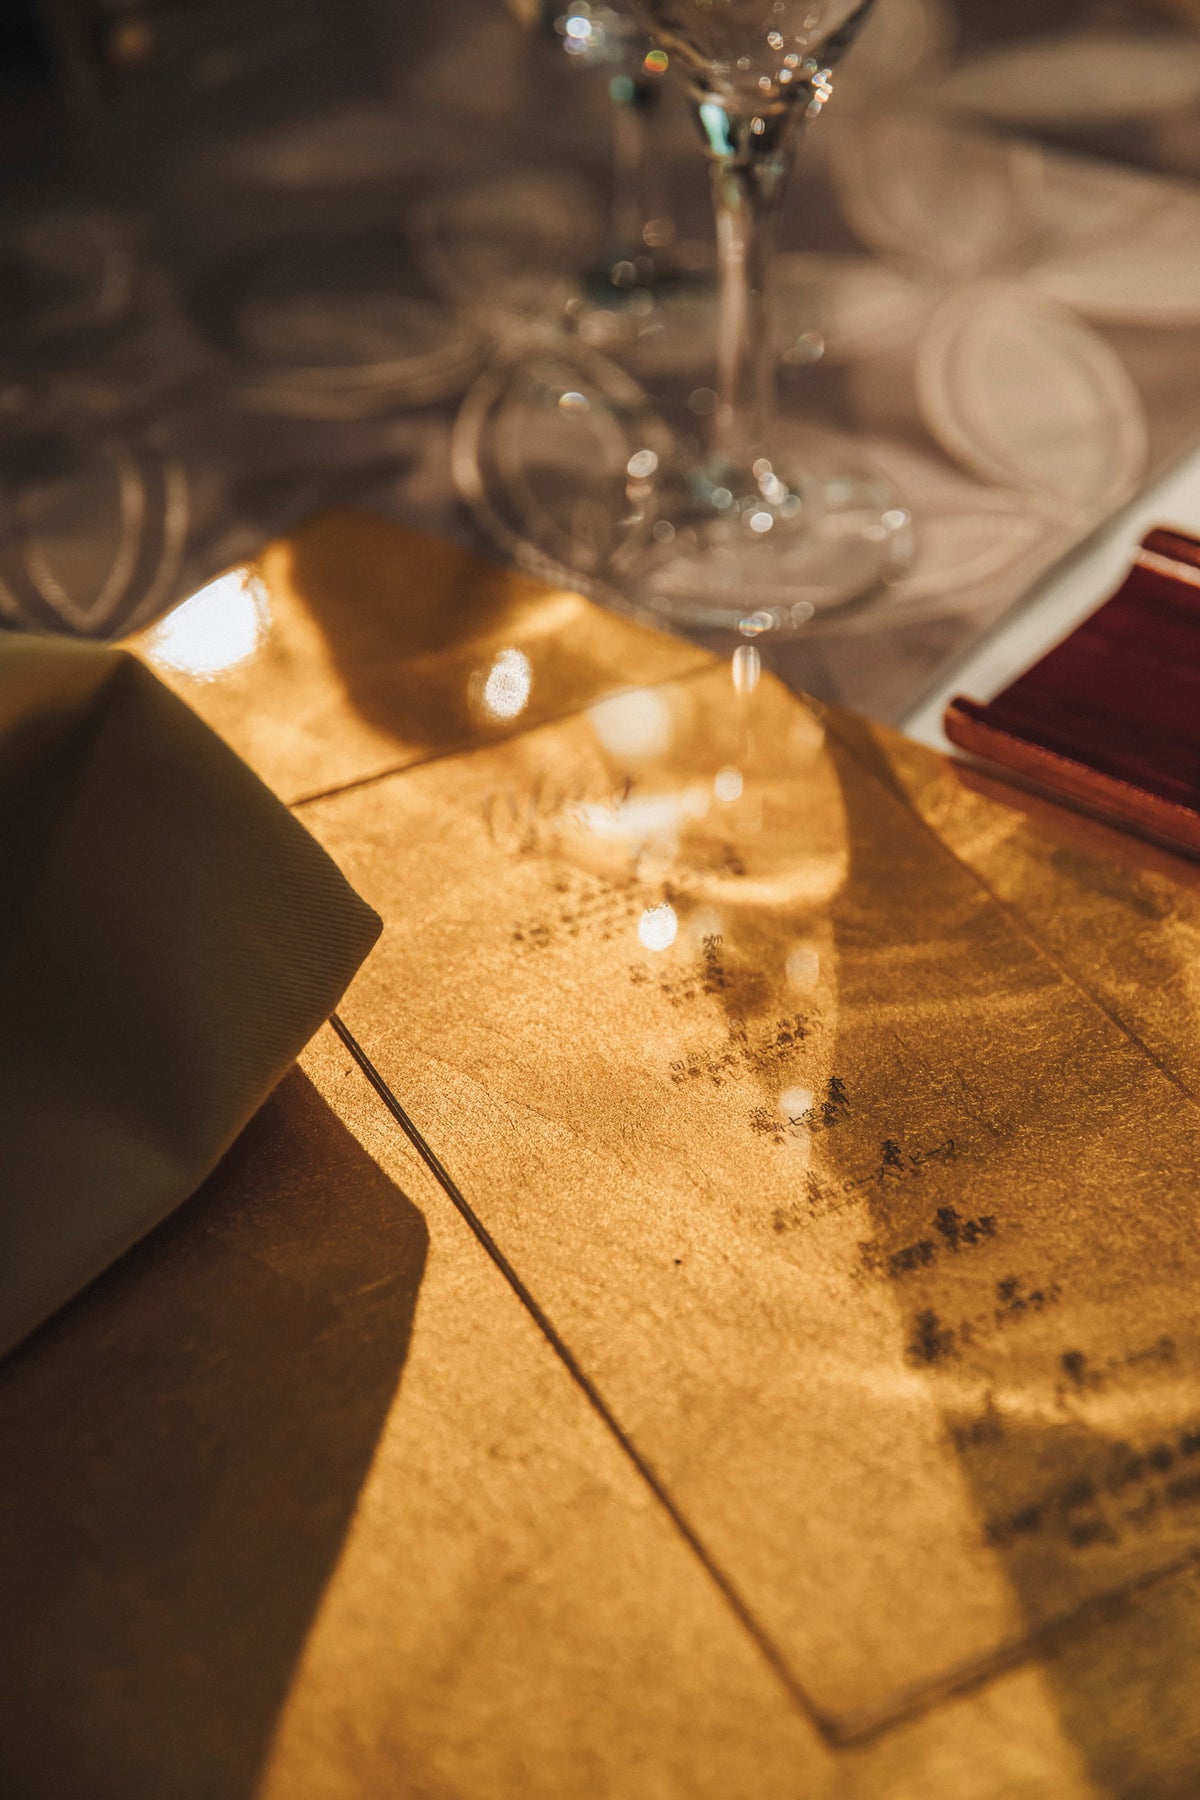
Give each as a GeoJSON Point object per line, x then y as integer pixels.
{"type": "Point", "coordinates": [436, 648]}
{"type": "Point", "coordinates": [182, 1451]}
{"type": "Point", "coordinates": [1083, 1465]}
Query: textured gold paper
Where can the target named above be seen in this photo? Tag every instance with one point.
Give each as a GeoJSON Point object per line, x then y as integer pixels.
{"type": "Point", "coordinates": [349, 1528]}
{"type": "Point", "coordinates": [511, 1617]}
{"type": "Point", "coordinates": [839, 1443]}
{"type": "Point", "coordinates": [1120, 915]}
{"type": "Point", "coordinates": [298, 1502]}
{"type": "Point", "coordinates": [356, 646]}
{"type": "Point", "coordinates": [856, 1211]}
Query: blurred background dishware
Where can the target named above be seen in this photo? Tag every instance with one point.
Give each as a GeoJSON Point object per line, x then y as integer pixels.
{"type": "Point", "coordinates": [93, 521]}
{"type": "Point", "coordinates": [332, 327]}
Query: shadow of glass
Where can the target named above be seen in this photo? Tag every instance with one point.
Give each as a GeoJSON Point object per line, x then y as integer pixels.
{"type": "Point", "coordinates": [403, 627]}
{"type": "Point", "coordinates": [182, 1451]}
{"type": "Point", "coordinates": [404, 620]}
{"type": "Point", "coordinates": [435, 647]}
{"type": "Point", "coordinates": [1054, 1488]}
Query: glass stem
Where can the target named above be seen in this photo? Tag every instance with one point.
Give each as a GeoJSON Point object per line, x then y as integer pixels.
{"type": "Point", "coordinates": [636, 199]}
{"type": "Point", "coordinates": [749, 174]}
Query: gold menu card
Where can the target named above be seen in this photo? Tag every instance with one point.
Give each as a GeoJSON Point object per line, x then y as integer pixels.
{"type": "Point", "coordinates": [855, 1208]}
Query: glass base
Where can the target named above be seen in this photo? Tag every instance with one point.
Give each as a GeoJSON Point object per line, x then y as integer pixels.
{"type": "Point", "coordinates": [814, 527]}
{"type": "Point", "coordinates": [574, 474]}
{"type": "Point", "coordinates": [541, 452]}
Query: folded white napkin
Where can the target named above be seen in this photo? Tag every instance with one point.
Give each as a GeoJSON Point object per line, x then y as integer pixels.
{"type": "Point", "coordinates": [170, 938]}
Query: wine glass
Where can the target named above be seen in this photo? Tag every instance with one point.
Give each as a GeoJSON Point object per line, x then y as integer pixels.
{"type": "Point", "coordinates": [772, 520]}
{"type": "Point", "coordinates": [530, 247]}
{"type": "Point", "coordinates": [776, 521]}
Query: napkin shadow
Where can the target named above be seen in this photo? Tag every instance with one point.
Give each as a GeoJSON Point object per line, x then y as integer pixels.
{"type": "Point", "coordinates": [182, 1451]}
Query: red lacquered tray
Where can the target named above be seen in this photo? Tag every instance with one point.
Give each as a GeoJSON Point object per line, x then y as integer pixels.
{"type": "Point", "coordinates": [1110, 718]}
